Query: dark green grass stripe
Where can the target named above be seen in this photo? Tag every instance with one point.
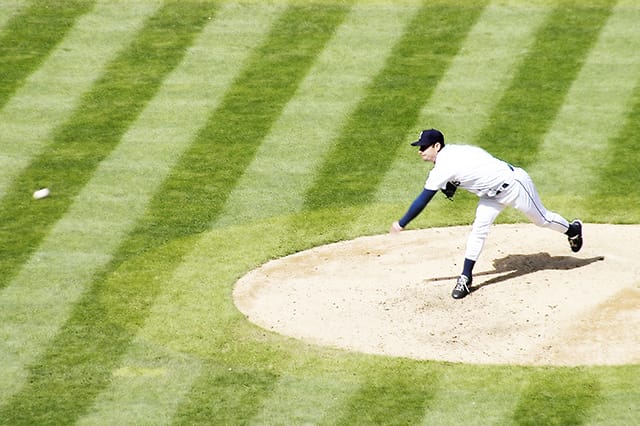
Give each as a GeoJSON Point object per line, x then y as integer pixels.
{"type": "Point", "coordinates": [231, 396]}
{"type": "Point", "coordinates": [618, 188]}
{"type": "Point", "coordinates": [396, 393]}
{"type": "Point", "coordinates": [557, 397]}
{"type": "Point", "coordinates": [367, 145]}
{"type": "Point", "coordinates": [105, 320]}
{"type": "Point", "coordinates": [525, 113]}
{"type": "Point", "coordinates": [29, 36]}
{"type": "Point", "coordinates": [95, 129]}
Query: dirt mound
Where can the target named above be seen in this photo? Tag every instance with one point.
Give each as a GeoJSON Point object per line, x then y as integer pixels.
{"type": "Point", "coordinates": [533, 300]}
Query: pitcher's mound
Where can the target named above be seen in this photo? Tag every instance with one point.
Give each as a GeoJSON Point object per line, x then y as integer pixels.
{"type": "Point", "coordinates": [534, 301]}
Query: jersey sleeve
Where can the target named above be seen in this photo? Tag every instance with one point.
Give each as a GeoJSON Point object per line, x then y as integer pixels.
{"type": "Point", "coordinates": [437, 179]}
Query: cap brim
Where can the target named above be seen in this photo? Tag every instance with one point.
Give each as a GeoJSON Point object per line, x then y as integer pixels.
{"type": "Point", "coordinates": [416, 143]}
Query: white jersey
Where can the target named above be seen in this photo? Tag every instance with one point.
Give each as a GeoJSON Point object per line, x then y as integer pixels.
{"type": "Point", "coordinates": [471, 168]}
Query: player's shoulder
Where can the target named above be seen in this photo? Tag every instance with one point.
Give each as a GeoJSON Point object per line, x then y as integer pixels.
{"type": "Point", "coordinates": [462, 146]}
{"type": "Point", "coordinates": [454, 156]}
{"type": "Point", "coordinates": [461, 149]}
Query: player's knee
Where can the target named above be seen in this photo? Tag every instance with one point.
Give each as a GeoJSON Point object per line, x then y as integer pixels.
{"type": "Point", "coordinates": [541, 220]}
{"type": "Point", "coordinates": [480, 230]}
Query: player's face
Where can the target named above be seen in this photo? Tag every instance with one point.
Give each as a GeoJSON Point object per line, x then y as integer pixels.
{"type": "Point", "coordinates": [429, 153]}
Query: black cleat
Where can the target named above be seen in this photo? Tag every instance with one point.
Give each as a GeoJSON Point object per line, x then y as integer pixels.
{"type": "Point", "coordinates": [462, 287]}
{"type": "Point", "coordinates": [575, 242]}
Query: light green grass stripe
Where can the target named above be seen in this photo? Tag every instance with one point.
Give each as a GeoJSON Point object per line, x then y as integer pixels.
{"type": "Point", "coordinates": [50, 94]}
{"type": "Point", "coordinates": [8, 9]}
{"type": "Point", "coordinates": [466, 95]}
{"type": "Point", "coordinates": [595, 108]}
{"type": "Point", "coordinates": [305, 400]}
{"type": "Point", "coordinates": [39, 299]}
{"type": "Point", "coordinates": [481, 389]}
{"type": "Point", "coordinates": [285, 163]}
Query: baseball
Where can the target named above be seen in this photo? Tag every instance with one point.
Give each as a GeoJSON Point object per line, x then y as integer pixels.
{"type": "Point", "coordinates": [41, 193]}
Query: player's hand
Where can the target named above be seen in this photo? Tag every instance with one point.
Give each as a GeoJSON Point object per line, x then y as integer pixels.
{"type": "Point", "coordinates": [395, 228]}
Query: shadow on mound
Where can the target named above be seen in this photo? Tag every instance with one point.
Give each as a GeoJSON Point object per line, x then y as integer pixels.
{"type": "Point", "coordinates": [518, 265]}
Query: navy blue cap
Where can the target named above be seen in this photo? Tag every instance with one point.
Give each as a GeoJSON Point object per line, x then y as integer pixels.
{"type": "Point", "coordinates": [429, 137]}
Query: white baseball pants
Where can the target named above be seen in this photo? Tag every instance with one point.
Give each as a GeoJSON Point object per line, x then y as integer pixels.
{"type": "Point", "coordinates": [522, 195]}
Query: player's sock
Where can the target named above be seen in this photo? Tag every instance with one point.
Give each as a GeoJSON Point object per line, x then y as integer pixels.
{"type": "Point", "coordinates": [467, 269]}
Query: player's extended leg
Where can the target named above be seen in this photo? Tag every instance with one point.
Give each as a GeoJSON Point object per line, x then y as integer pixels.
{"type": "Point", "coordinates": [486, 213]}
{"type": "Point", "coordinates": [529, 203]}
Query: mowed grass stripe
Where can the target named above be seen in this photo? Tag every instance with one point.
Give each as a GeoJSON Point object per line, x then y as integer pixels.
{"type": "Point", "coordinates": [558, 397]}
{"type": "Point", "coordinates": [401, 390]}
{"type": "Point", "coordinates": [483, 388]}
{"type": "Point", "coordinates": [594, 111]}
{"type": "Point", "coordinates": [231, 396]}
{"type": "Point", "coordinates": [284, 165]}
{"type": "Point", "coordinates": [615, 188]}
{"type": "Point", "coordinates": [101, 119]}
{"type": "Point", "coordinates": [29, 37]}
{"type": "Point", "coordinates": [311, 400]}
{"type": "Point", "coordinates": [49, 95]}
{"type": "Point", "coordinates": [469, 90]}
{"type": "Point", "coordinates": [525, 113]}
{"type": "Point", "coordinates": [616, 397]}
{"type": "Point", "coordinates": [365, 150]}
{"type": "Point", "coordinates": [30, 313]}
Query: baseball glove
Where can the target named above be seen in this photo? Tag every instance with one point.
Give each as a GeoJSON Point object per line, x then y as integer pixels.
{"type": "Point", "coordinates": [450, 190]}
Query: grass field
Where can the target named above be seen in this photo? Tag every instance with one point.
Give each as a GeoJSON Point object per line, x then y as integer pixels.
{"type": "Point", "coordinates": [187, 142]}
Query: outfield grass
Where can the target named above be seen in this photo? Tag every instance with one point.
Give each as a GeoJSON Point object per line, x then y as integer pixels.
{"type": "Point", "coordinates": [187, 142]}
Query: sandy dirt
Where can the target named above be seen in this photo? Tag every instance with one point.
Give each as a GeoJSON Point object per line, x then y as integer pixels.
{"type": "Point", "coordinates": [534, 302]}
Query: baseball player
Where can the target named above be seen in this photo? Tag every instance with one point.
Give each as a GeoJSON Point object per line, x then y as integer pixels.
{"type": "Point", "coordinates": [497, 184]}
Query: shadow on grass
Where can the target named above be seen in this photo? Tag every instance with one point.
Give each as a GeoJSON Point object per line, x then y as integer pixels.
{"type": "Point", "coordinates": [518, 265]}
